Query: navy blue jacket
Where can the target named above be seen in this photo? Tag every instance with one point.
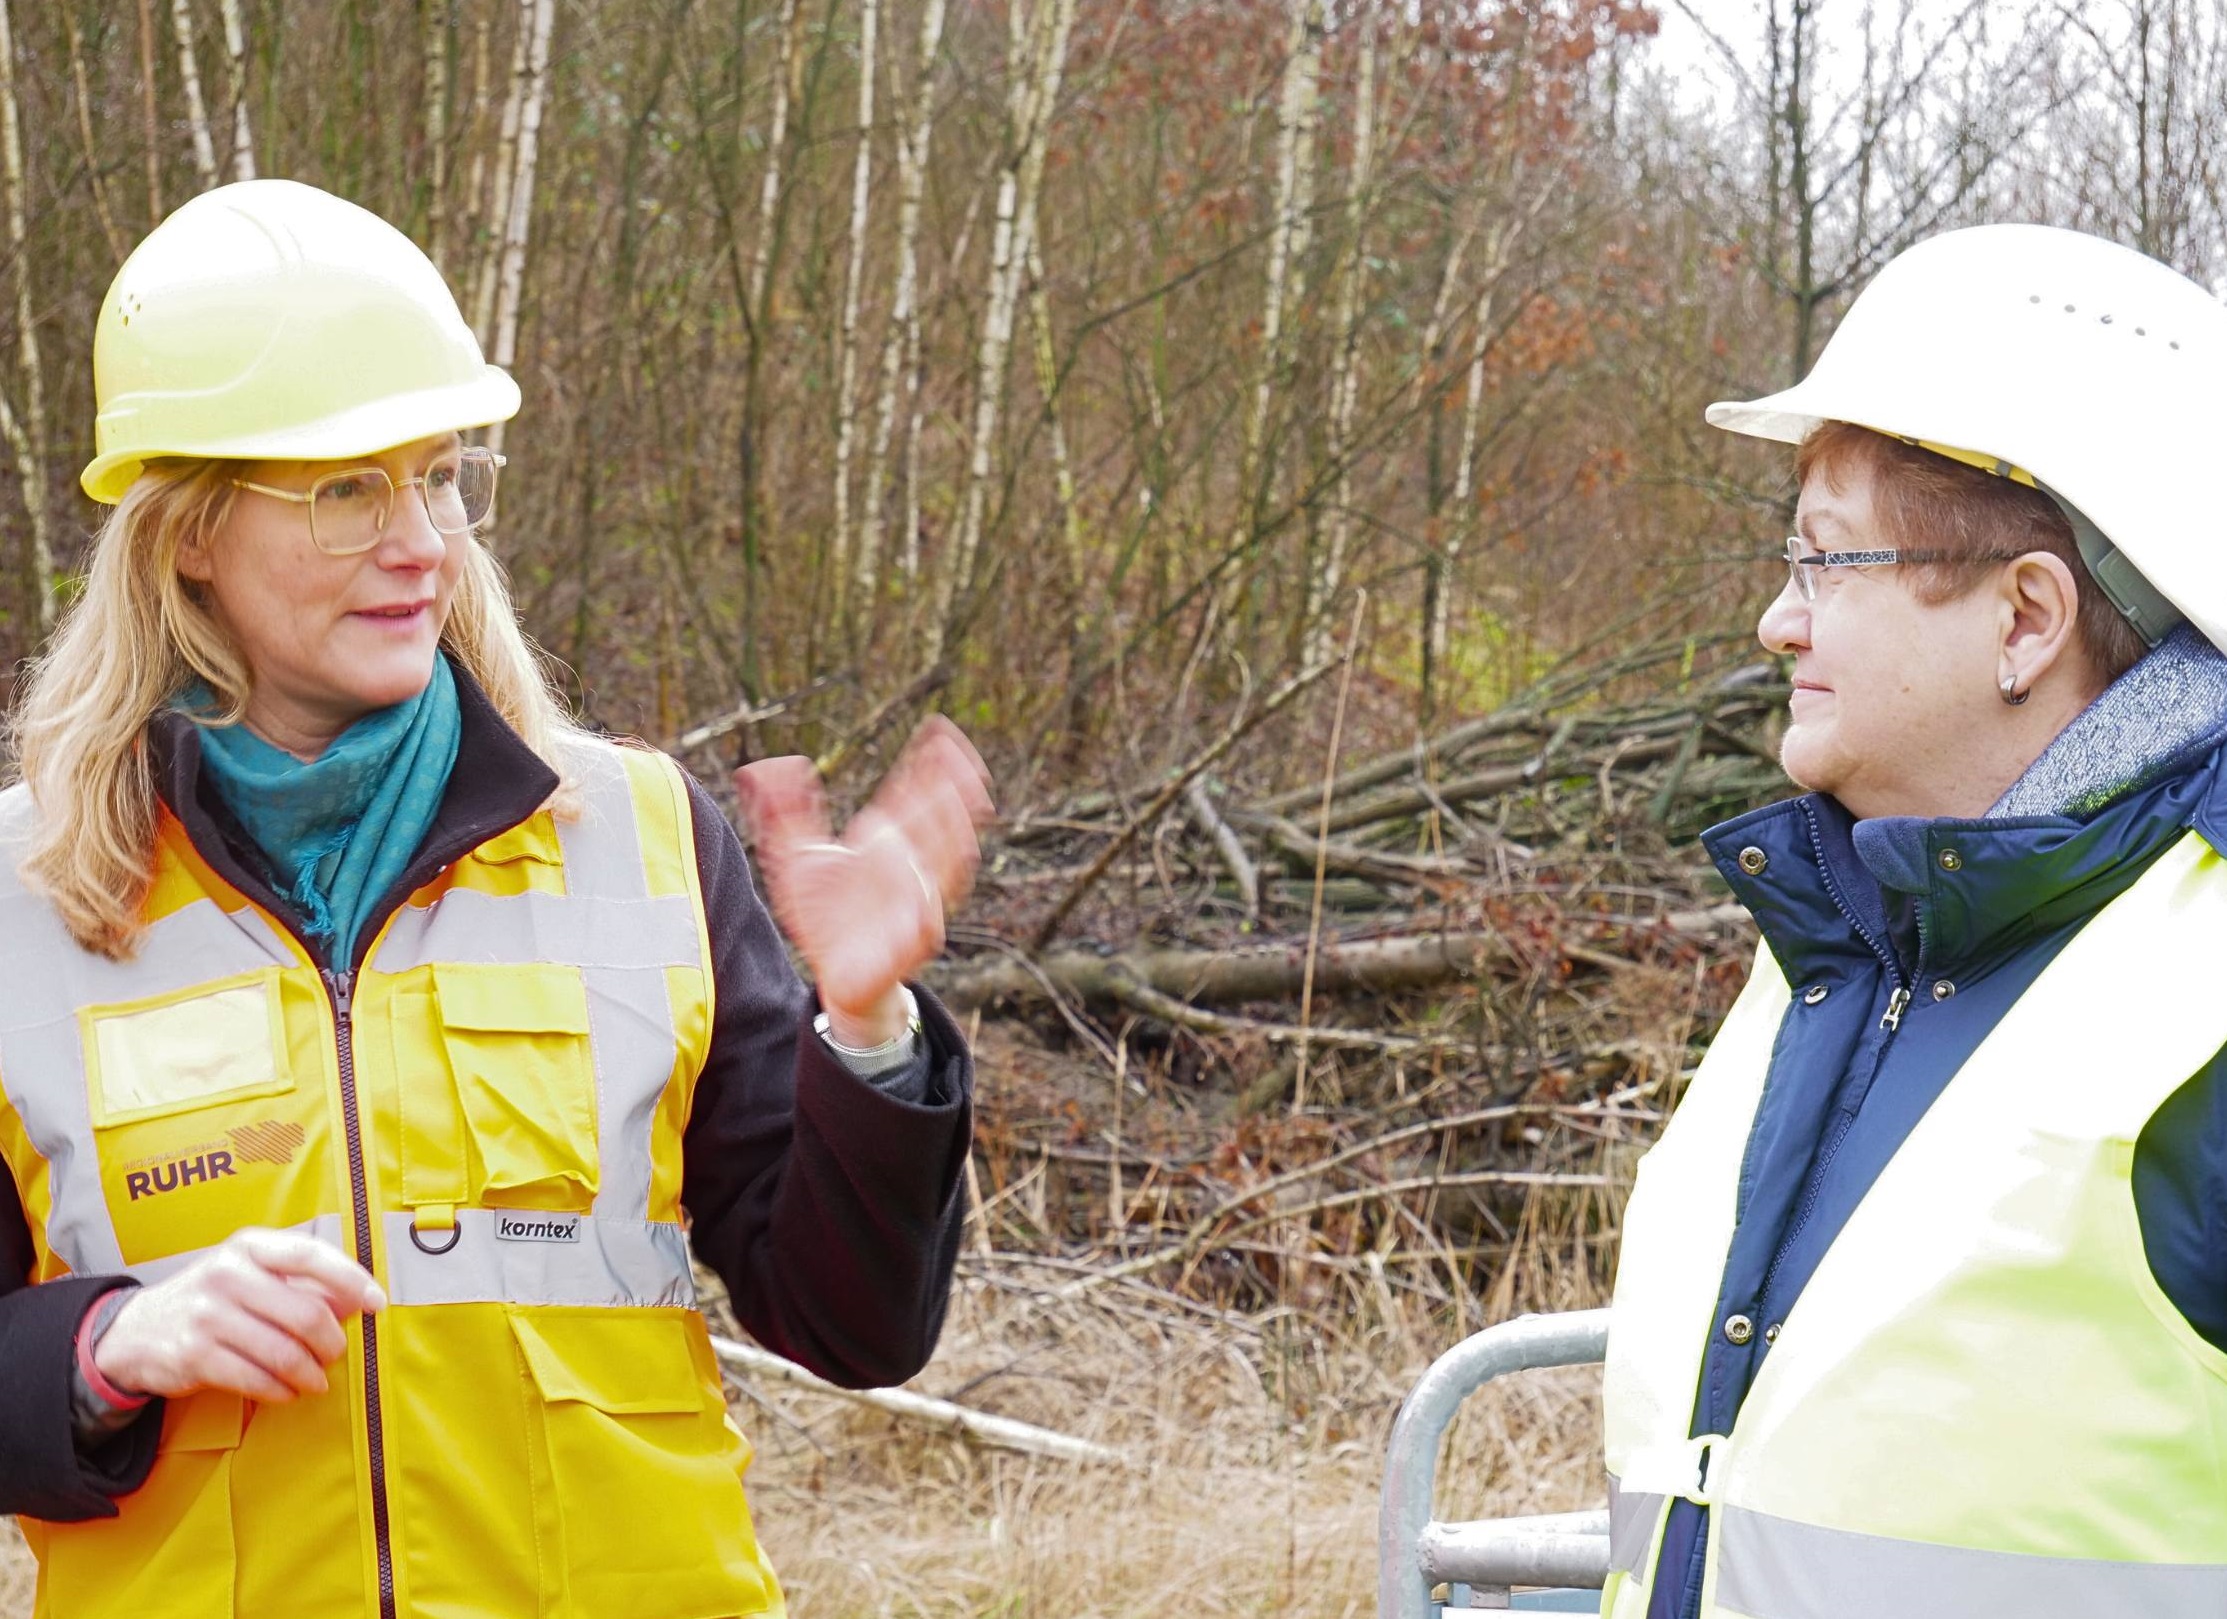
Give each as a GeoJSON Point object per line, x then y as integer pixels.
{"type": "Point", "coordinates": [1912, 980]}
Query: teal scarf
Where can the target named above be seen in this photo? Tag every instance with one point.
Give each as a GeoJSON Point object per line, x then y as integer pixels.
{"type": "Point", "coordinates": [340, 830]}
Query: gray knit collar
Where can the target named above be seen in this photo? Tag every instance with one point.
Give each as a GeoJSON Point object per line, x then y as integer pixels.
{"type": "Point", "coordinates": [2157, 719]}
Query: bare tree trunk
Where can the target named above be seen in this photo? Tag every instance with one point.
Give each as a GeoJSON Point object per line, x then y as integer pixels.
{"type": "Point", "coordinates": [1037, 55]}
{"type": "Point", "coordinates": [235, 85]}
{"type": "Point", "coordinates": [197, 112]}
{"type": "Point", "coordinates": [846, 401]}
{"type": "Point", "coordinates": [777, 140]}
{"type": "Point", "coordinates": [1294, 189]}
{"type": "Point", "coordinates": [1063, 472]}
{"type": "Point", "coordinates": [757, 310]}
{"type": "Point", "coordinates": [147, 109]}
{"type": "Point", "coordinates": [1345, 365]}
{"type": "Point", "coordinates": [541, 16]}
{"type": "Point", "coordinates": [26, 434]}
{"type": "Point", "coordinates": [438, 27]}
{"type": "Point", "coordinates": [475, 180]}
{"type": "Point", "coordinates": [495, 217]}
{"type": "Point", "coordinates": [901, 346]}
{"type": "Point", "coordinates": [118, 245]}
{"type": "Point", "coordinates": [1448, 560]}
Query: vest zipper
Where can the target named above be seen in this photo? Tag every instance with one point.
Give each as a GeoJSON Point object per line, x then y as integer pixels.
{"type": "Point", "coordinates": [342, 988]}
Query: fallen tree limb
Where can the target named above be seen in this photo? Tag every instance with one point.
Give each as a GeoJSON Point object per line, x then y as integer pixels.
{"type": "Point", "coordinates": [1380, 864]}
{"type": "Point", "coordinates": [1224, 977]}
{"type": "Point", "coordinates": [1142, 997]}
{"type": "Point", "coordinates": [1002, 1432]}
{"type": "Point", "coordinates": [1227, 844]}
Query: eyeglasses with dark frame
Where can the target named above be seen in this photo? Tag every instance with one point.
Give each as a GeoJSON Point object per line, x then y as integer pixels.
{"type": "Point", "coordinates": [349, 511]}
{"type": "Point", "coordinates": [1804, 565]}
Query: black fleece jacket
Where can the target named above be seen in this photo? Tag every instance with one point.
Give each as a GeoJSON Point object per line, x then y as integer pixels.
{"type": "Point", "coordinates": [828, 1206]}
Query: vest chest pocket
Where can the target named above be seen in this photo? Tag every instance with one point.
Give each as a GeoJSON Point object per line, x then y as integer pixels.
{"type": "Point", "coordinates": [212, 1043]}
{"type": "Point", "coordinates": [516, 1039]}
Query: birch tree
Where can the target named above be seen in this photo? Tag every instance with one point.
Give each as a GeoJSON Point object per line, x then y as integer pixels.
{"type": "Point", "coordinates": [235, 85]}
{"type": "Point", "coordinates": [1037, 58]}
{"type": "Point", "coordinates": [901, 343]}
{"type": "Point", "coordinates": [26, 433]}
{"type": "Point", "coordinates": [502, 173]}
{"type": "Point", "coordinates": [1345, 364]}
{"type": "Point", "coordinates": [197, 111]}
{"type": "Point", "coordinates": [1444, 566]}
{"type": "Point", "coordinates": [537, 18]}
{"type": "Point", "coordinates": [1294, 195]}
{"type": "Point", "coordinates": [846, 398]}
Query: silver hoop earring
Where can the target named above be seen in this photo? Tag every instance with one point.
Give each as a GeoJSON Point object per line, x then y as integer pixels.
{"type": "Point", "coordinates": [2012, 695]}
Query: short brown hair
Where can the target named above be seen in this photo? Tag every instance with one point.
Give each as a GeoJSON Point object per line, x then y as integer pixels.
{"type": "Point", "coordinates": [1924, 500]}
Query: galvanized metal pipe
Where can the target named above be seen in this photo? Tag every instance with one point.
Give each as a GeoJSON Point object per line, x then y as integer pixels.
{"type": "Point", "coordinates": [1403, 1582]}
{"type": "Point", "coordinates": [1564, 1548]}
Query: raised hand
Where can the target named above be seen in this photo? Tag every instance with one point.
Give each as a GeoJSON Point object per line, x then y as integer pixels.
{"type": "Point", "coordinates": [866, 910]}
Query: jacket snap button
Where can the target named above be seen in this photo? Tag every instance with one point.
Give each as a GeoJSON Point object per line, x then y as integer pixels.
{"type": "Point", "coordinates": [1951, 860]}
{"type": "Point", "coordinates": [1753, 860]}
{"type": "Point", "coordinates": [1943, 989]}
{"type": "Point", "coordinates": [1815, 993]}
{"type": "Point", "coordinates": [1771, 1333]}
{"type": "Point", "coordinates": [1738, 1329]}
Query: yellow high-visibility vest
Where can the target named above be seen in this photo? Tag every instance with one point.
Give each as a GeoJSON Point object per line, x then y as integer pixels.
{"type": "Point", "coordinates": [489, 1114]}
{"type": "Point", "coordinates": [1982, 1402]}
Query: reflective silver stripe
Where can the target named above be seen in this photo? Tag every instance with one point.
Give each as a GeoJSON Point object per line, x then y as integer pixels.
{"type": "Point", "coordinates": [637, 1264]}
{"type": "Point", "coordinates": [1632, 1516]}
{"type": "Point", "coordinates": [587, 930]}
{"type": "Point", "coordinates": [630, 1031]}
{"type": "Point", "coordinates": [603, 846]}
{"type": "Point", "coordinates": [42, 1061]}
{"type": "Point", "coordinates": [328, 1229]}
{"type": "Point", "coordinates": [1774, 1568]}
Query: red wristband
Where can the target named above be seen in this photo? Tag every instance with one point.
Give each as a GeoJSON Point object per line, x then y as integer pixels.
{"type": "Point", "coordinates": [88, 1338]}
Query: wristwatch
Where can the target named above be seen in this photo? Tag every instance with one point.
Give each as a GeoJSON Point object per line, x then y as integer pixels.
{"type": "Point", "coordinates": [888, 1050]}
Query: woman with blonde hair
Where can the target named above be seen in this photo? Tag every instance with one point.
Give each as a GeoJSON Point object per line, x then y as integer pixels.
{"type": "Point", "coordinates": [376, 1044]}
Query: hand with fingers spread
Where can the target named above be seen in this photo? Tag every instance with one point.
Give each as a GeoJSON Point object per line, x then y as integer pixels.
{"type": "Point", "coordinates": [867, 910]}
{"type": "Point", "coordinates": [259, 1315]}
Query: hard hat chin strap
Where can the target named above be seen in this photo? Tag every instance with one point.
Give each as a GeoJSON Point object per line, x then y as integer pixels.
{"type": "Point", "coordinates": [2138, 601]}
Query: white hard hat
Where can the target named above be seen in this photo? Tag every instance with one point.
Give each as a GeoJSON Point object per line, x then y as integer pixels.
{"type": "Point", "coordinates": [2063, 360]}
{"type": "Point", "coordinates": [271, 321]}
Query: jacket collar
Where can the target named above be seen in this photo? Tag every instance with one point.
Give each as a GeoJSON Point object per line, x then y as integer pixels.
{"type": "Point", "coordinates": [497, 783]}
{"type": "Point", "coordinates": [1987, 887]}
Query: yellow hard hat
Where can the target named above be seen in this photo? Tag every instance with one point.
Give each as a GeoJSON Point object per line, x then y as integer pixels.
{"type": "Point", "coordinates": [272, 321]}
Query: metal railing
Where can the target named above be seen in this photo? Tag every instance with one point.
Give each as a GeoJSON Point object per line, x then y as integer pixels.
{"type": "Point", "coordinates": [1414, 1552]}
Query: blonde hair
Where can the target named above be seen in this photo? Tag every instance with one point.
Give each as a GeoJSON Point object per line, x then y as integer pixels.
{"type": "Point", "coordinates": [139, 632]}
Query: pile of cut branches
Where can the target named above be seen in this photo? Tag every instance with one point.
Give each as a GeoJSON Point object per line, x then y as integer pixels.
{"type": "Point", "coordinates": [1396, 852]}
{"type": "Point", "coordinates": [1384, 1025]}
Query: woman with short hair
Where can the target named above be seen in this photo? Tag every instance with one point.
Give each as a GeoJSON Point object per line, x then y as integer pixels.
{"type": "Point", "coordinates": [376, 1044]}
{"type": "Point", "coordinates": [1922, 1300]}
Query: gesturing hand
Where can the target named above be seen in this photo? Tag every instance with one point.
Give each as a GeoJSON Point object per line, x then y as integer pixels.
{"type": "Point", "coordinates": [259, 1315]}
{"type": "Point", "coordinates": [865, 911]}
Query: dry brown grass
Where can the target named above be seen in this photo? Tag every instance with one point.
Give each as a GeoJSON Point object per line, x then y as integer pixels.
{"type": "Point", "coordinates": [1255, 1447]}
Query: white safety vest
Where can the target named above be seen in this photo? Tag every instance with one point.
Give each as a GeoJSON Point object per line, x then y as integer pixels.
{"type": "Point", "coordinates": [1982, 1404]}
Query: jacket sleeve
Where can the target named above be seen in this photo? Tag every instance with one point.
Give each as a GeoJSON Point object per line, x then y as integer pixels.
{"type": "Point", "coordinates": [2180, 1196]}
{"type": "Point", "coordinates": [829, 1206]}
{"type": "Point", "coordinates": [43, 1473]}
